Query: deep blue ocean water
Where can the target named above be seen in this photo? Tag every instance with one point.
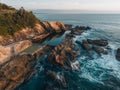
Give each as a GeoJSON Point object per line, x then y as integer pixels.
{"type": "Point", "coordinates": [97, 73]}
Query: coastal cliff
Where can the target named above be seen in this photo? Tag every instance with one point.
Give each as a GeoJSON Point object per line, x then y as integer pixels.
{"type": "Point", "coordinates": [28, 33]}
{"type": "Point", "coordinates": [24, 38]}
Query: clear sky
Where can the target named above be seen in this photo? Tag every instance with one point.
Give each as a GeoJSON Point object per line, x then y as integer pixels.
{"type": "Point", "coordinates": [91, 5]}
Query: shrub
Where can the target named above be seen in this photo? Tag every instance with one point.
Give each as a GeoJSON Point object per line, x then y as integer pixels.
{"type": "Point", "coordinates": [12, 22]}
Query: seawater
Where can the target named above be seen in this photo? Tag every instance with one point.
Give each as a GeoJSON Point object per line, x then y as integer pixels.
{"type": "Point", "coordinates": [97, 72]}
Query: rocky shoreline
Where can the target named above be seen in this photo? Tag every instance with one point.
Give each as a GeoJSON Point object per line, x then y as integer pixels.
{"type": "Point", "coordinates": [17, 66]}
{"type": "Point", "coordinates": [21, 66]}
{"type": "Point", "coordinates": [24, 38]}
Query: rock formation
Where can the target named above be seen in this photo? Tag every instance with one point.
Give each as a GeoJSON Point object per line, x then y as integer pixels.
{"type": "Point", "coordinates": [6, 52]}
{"type": "Point", "coordinates": [17, 68]}
{"type": "Point", "coordinates": [118, 54]}
{"type": "Point", "coordinates": [63, 55]}
{"type": "Point", "coordinates": [16, 71]}
{"type": "Point", "coordinates": [99, 42]}
{"type": "Point", "coordinates": [40, 30]}
{"type": "Point", "coordinates": [20, 68]}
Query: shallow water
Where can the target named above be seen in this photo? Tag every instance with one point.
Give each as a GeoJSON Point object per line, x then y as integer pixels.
{"type": "Point", "coordinates": [97, 72]}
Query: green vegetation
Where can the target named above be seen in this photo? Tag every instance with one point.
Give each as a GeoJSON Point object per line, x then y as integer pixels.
{"type": "Point", "coordinates": [12, 22]}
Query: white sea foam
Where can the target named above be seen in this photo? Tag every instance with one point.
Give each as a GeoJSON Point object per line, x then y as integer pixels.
{"type": "Point", "coordinates": [75, 65]}
{"type": "Point", "coordinates": [97, 69]}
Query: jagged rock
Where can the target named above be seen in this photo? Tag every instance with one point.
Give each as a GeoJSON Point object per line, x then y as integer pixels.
{"type": "Point", "coordinates": [20, 68]}
{"type": "Point", "coordinates": [16, 71]}
{"type": "Point", "coordinates": [58, 26]}
{"type": "Point", "coordinates": [40, 38]}
{"type": "Point", "coordinates": [68, 26]}
{"type": "Point", "coordinates": [77, 32]}
{"type": "Point", "coordinates": [99, 50]}
{"type": "Point", "coordinates": [85, 45]}
{"type": "Point", "coordinates": [55, 80]}
{"type": "Point", "coordinates": [63, 55]}
{"type": "Point", "coordinates": [99, 42]}
{"type": "Point", "coordinates": [70, 35]}
{"type": "Point", "coordinates": [12, 50]}
{"type": "Point", "coordinates": [44, 28]}
{"type": "Point", "coordinates": [83, 27]}
{"type": "Point", "coordinates": [118, 54]}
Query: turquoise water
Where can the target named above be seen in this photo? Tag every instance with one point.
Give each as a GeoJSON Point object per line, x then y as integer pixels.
{"type": "Point", "coordinates": [96, 73]}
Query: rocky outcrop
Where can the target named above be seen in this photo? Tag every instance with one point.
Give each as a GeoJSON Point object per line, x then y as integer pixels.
{"type": "Point", "coordinates": [99, 50]}
{"type": "Point", "coordinates": [16, 71]}
{"type": "Point", "coordinates": [99, 42]}
{"type": "Point", "coordinates": [20, 68]}
{"type": "Point", "coordinates": [85, 45]}
{"type": "Point", "coordinates": [118, 54]}
{"type": "Point", "coordinates": [55, 80]}
{"type": "Point", "coordinates": [83, 28]}
{"type": "Point", "coordinates": [40, 38]}
{"type": "Point", "coordinates": [68, 26]}
{"type": "Point", "coordinates": [94, 45]}
{"type": "Point", "coordinates": [44, 28]}
{"type": "Point", "coordinates": [78, 30]}
{"type": "Point", "coordinates": [52, 28]}
{"type": "Point", "coordinates": [22, 39]}
{"type": "Point", "coordinates": [64, 55]}
{"type": "Point", "coordinates": [6, 52]}
{"type": "Point", "coordinates": [42, 51]}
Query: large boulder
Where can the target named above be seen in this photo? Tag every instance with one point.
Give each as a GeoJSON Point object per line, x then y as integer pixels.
{"type": "Point", "coordinates": [118, 54]}
{"type": "Point", "coordinates": [99, 42]}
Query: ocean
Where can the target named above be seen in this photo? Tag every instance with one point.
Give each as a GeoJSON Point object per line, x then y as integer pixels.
{"type": "Point", "coordinates": [97, 73]}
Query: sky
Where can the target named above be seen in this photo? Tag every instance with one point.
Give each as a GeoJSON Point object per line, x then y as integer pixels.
{"type": "Point", "coordinates": [88, 5]}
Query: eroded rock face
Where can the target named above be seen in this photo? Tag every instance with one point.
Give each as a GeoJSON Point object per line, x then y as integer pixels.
{"type": "Point", "coordinates": [16, 71]}
{"type": "Point", "coordinates": [58, 26]}
{"type": "Point", "coordinates": [51, 28]}
{"type": "Point", "coordinates": [6, 52]}
{"type": "Point", "coordinates": [20, 68]}
{"type": "Point", "coordinates": [118, 54]}
{"type": "Point", "coordinates": [99, 42]}
{"type": "Point", "coordinates": [63, 54]}
{"type": "Point", "coordinates": [29, 33]}
{"type": "Point", "coordinates": [40, 38]}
